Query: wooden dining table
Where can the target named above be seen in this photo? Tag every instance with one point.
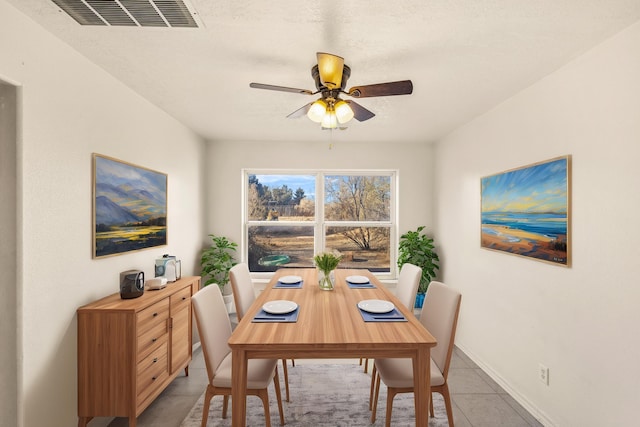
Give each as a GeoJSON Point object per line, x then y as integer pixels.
{"type": "Point", "coordinates": [329, 325]}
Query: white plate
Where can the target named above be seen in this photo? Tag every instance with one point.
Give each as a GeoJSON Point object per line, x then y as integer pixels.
{"type": "Point", "coordinates": [279, 307]}
{"type": "Point", "coordinates": [358, 279]}
{"type": "Point", "coordinates": [290, 279]}
{"type": "Point", "coordinates": [376, 305]}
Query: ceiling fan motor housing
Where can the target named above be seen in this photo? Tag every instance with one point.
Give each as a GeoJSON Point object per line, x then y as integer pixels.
{"type": "Point", "coordinates": [315, 73]}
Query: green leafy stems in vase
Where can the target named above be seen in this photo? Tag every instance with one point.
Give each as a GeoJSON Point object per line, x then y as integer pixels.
{"type": "Point", "coordinates": [326, 262]}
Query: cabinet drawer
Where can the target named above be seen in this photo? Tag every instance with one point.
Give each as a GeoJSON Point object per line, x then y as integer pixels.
{"type": "Point", "coordinates": [155, 358]}
{"type": "Point", "coordinates": [153, 376]}
{"type": "Point", "coordinates": [152, 316]}
{"type": "Point", "coordinates": [181, 299]}
{"type": "Point", "coordinates": [151, 339]}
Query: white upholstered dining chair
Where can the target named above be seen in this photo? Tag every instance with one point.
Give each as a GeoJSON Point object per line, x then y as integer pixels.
{"type": "Point", "coordinates": [214, 328]}
{"type": "Point", "coordinates": [406, 290]}
{"type": "Point", "coordinates": [440, 317]}
{"type": "Point", "coordinates": [243, 296]}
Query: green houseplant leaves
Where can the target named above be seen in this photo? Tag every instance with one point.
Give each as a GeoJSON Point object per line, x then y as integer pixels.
{"type": "Point", "coordinates": [217, 260]}
{"type": "Point", "coordinates": [418, 249]}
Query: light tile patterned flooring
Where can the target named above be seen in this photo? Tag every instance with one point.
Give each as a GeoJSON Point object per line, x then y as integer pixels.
{"type": "Point", "coordinates": [478, 401]}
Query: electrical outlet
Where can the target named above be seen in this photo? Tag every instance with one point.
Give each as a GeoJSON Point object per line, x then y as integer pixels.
{"type": "Point", "coordinates": [543, 373]}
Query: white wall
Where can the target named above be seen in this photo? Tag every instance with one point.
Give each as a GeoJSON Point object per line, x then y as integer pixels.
{"type": "Point", "coordinates": [225, 161]}
{"type": "Point", "coordinates": [581, 321]}
{"type": "Point", "coordinates": [69, 109]}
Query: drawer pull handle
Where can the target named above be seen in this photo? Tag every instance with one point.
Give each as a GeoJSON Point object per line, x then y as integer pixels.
{"type": "Point", "coordinates": [154, 339]}
{"type": "Point", "coordinates": [155, 359]}
{"type": "Point", "coordinates": [155, 314]}
{"type": "Point", "coordinates": [154, 378]}
{"type": "Point", "coordinates": [184, 298]}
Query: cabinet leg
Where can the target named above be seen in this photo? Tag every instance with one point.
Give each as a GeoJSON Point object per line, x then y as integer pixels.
{"type": "Point", "coordinates": [82, 421]}
{"type": "Point", "coordinates": [186, 371]}
{"type": "Point", "coordinates": [132, 421]}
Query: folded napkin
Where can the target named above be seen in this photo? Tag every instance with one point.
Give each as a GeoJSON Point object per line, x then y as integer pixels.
{"type": "Point", "coordinates": [367, 285]}
{"type": "Point", "coordinates": [392, 316]}
{"type": "Point", "coordinates": [281, 285]}
{"type": "Point", "coordinates": [264, 317]}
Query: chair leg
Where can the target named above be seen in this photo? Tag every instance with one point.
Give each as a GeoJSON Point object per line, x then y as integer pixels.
{"type": "Point", "coordinates": [366, 365]}
{"type": "Point", "coordinates": [431, 407]}
{"type": "Point", "coordinates": [374, 372]}
{"type": "Point", "coordinates": [286, 378]}
{"type": "Point", "coordinates": [293, 362]}
{"type": "Point", "coordinates": [444, 391]}
{"type": "Point", "coordinates": [225, 405]}
{"type": "Point", "coordinates": [375, 400]}
{"type": "Point", "coordinates": [390, 395]}
{"type": "Point", "coordinates": [205, 406]}
{"type": "Point", "coordinates": [276, 383]}
{"type": "Point", "coordinates": [263, 394]}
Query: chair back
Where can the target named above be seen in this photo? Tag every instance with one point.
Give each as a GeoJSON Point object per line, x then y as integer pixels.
{"type": "Point", "coordinates": [440, 317]}
{"type": "Point", "coordinates": [214, 326]}
{"type": "Point", "coordinates": [243, 292]}
{"type": "Point", "coordinates": [408, 283]}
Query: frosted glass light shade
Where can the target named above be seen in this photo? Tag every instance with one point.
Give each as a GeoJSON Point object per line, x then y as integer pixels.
{"type": "Point", "coordinates": [344, 113]}
{"type": "Point", "coordinates": [317, 111]}
{"type": "Point", "coordinates": [329, 121]}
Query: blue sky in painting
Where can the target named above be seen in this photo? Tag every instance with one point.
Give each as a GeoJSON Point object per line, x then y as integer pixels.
{"type": "Point", "coordinates": [121, 174]}
{"type": "Point", "coordinates": [534, 189]}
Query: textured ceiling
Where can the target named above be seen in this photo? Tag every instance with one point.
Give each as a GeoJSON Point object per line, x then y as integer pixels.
{"type": "Point", "coordinates": [463, 56]}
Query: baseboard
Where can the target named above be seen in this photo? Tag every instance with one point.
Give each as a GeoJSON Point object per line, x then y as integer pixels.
{"type": "Point", "coordinates": [522, 400]}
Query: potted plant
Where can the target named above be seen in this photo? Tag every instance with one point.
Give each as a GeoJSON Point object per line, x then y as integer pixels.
{"type": "Point", "coordinates": [417, 249]}
{"type": "Point", "coordinates": [326, 262]}
{"type": "Point", "coordinates": [216, 261]}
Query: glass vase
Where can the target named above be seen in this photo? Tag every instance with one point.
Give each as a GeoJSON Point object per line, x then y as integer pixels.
{"type": "Point", "coordinates": [326, 280]}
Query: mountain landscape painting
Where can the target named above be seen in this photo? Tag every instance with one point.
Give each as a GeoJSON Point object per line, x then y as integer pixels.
{"type": "Point", "coordinates": [129, 207]}
{"type": "Point", "coordinates": [526, 211]}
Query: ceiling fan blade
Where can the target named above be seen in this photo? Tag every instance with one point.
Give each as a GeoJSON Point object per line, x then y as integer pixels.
{"type": "Point", "coordinates": [403, 87]}
{"type": "Point", "coordinates": [359, 112]}
{"type": "Point", "coordinates": [330, 68]}
{"type": "Point", "coordinates": [280, 88]}
{"type": "Point", "coordinates": [300, 112]}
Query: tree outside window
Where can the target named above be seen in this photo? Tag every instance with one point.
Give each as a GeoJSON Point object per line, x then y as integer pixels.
{"type": "Point", "coordinates": [284, 226]}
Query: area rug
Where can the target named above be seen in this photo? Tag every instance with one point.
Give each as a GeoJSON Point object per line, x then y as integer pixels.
{"type": "Point", "coordinates": [323, 395]}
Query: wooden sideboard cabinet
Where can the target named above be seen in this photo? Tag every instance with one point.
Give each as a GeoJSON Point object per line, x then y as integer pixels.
{"type": "Point", "coordinates": [129, 350]}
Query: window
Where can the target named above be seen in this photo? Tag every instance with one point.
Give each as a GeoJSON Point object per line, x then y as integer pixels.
{"type": "Point", "coordinates": [290, 216]}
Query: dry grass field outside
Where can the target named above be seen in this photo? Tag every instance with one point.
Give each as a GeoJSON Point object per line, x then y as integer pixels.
{"type": "Point", "coordinates": [298, 242]}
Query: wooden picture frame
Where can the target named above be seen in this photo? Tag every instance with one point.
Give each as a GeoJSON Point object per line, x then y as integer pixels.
{"type": "Point", "coordinates": [527, 211]}
{"type": "Point", "coordinates": [129, 207]}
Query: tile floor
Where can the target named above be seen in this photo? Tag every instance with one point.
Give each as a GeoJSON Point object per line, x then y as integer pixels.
{"type": "Point", "coordinates": [478, 401]}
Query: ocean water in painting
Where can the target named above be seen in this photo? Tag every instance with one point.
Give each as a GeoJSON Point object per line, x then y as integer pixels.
{"type": "Point", "coordinates": [545, 224]}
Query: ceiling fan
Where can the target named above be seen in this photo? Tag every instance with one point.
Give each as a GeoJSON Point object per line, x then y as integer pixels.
{"type": "Point", "coordinates": [331, 75]}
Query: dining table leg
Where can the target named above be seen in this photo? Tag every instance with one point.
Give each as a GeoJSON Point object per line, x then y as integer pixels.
{"type": "Point", "coordinates": [239, 388]}
{"type": "Point", "coordinates": [422, 385]}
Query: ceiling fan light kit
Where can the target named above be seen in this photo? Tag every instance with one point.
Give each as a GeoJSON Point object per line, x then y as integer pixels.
{"type": "Point", "coordinates": [329, 113]}
{"type": "Point", "coordinates": [344, 113]}
{"type": "Point", "coordinates": [330, 76]}
{"type": "Point", "coordinates": [329, 121]}
{"type": "Point", "coordinates": [317, 111]}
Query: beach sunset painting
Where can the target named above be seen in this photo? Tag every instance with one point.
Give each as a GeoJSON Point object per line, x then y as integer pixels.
{"type": "Point", "coordinates": [526, 211]}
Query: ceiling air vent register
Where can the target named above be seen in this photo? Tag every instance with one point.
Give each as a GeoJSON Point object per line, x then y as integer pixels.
{"type": "Point", "coordinates": [130, 13]}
